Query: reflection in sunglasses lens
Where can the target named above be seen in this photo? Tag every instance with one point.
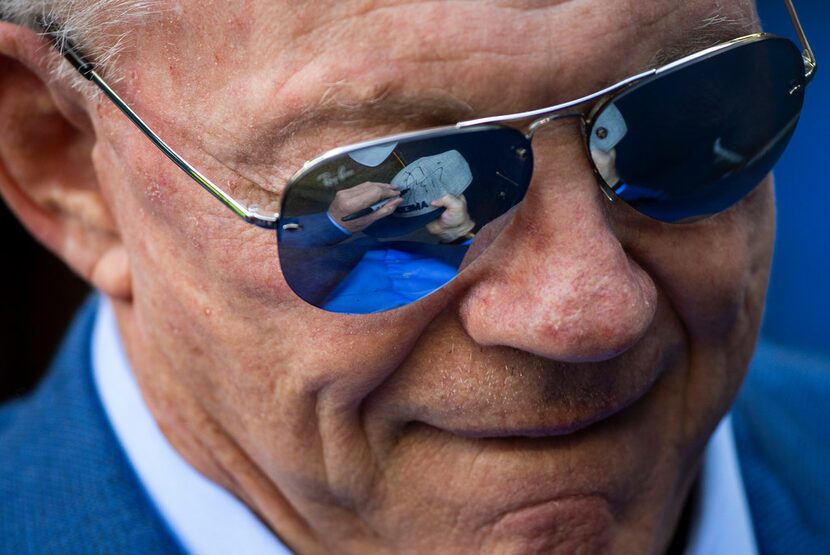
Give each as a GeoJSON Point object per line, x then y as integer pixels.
{"type": "Point", "coordinates": [380, 227]}
{"type": "Point", "coordinates": [697, 139]}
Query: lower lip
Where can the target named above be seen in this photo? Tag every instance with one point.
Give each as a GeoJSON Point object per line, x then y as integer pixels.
{"type": "Point", "coordinates": [560, 430]}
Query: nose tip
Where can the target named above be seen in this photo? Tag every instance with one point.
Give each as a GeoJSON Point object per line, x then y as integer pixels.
{"type": "Point", "coordinates": [563, 312]}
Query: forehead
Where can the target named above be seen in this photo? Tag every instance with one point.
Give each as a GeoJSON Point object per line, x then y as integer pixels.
{"type": "Point", "coordinates": [327, 40]}
{"type": "Point", "coordinates": [281, 68]}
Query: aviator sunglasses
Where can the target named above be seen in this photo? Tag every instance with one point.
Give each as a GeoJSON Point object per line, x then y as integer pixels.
{"type": "Point", "coordinates": [378, 225]}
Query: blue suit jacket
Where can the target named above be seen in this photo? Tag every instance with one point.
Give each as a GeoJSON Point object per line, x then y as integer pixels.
{"type": "Point", "coordinates": [66, 486]}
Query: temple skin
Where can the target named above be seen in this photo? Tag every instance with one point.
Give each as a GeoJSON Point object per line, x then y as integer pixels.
{"type": "Point", "coordinates": [555, 398]}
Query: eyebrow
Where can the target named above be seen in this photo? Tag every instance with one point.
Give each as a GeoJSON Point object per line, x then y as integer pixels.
{"type": "Point", "coordinates": [341, 103]}
{"type": "Point", "coordinates": [713, 30]}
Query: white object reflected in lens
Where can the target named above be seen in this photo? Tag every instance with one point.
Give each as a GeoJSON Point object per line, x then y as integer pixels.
{"type": "Point", "coordinates": [373, 156]}
{"type": "Point", "coordinates": [430, 178]}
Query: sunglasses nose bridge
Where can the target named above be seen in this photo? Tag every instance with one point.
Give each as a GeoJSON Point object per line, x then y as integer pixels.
{"type": "Point", "coordinates": [536, 124]}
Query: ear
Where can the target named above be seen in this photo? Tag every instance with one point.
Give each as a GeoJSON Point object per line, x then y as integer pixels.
{"type": "Point", "coordinates": [47, 175]}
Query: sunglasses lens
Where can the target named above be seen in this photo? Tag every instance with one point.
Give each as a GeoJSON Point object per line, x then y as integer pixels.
{"type": "Point", "coordinates": [376, 228]}
{"type": "Point", "coordinates": [696, 139]}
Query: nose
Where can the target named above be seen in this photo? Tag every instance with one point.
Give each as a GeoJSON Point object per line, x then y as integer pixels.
{"type": "Point", "coordinates": [557, 282]}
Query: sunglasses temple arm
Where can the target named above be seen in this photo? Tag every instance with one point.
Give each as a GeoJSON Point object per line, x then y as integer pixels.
{"type": "Point", "coordinates": [810, 65]}
{"type": "Point", "coordinates": [250, 214]}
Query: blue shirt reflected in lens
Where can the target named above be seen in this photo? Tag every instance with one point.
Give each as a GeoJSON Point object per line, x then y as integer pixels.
{"type": "Point", "coordinates": [364, 274]}
{"type": "Point", "coordinates": [386, 278]}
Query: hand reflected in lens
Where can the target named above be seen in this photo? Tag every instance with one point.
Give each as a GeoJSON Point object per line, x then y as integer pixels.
{"type": "Point", "coordinates": [606, 163]}
{"type": "Point", "coordinates": [357, 208]}
{"type": "Point", "coordinates": [454, 222]}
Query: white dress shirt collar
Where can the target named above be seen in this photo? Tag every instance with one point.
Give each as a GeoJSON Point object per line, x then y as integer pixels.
{"type": "Point", "coordinates": [207, 520]}
{"type": "Point", "coordinates": [721, 521]}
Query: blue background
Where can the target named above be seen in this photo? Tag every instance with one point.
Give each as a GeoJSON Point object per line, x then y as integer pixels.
{"type": "Point", "coordinates": [798, 304]}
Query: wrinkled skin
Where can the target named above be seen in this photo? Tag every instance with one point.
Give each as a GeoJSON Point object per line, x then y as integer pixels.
{"type": "Point", "coordinates": [554, 398]}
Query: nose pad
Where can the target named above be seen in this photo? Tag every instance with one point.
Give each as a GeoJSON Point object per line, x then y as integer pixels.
{"type": "Point", "coordinates": [559, 283]}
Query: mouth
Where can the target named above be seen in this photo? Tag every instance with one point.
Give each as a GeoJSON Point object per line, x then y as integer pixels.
{"type": "Point", "coordinates": [541, 430]}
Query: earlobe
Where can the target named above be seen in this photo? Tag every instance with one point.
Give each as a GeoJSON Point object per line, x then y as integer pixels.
{"type": "Point", "coordinates": [47, 175]}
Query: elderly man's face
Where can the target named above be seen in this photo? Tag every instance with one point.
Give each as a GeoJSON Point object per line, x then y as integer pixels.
{"type": "Point", "coordinates": [555, 397]}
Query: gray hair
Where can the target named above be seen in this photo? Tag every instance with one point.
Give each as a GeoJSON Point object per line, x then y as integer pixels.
{"type": "Point", "coordinates": [98, 26]}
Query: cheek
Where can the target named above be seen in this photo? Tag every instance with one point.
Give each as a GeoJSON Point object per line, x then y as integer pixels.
{"type": "Point", "coordinates": [206, 285]}
{"type": "Point", "coordinates": [713, 275]}
{"type": "Point", "coordinates": [187, 238]}
{"type": "Point", "coordinates": [209, 297]}
{"type": "Point", "coordinates": [714, 272]}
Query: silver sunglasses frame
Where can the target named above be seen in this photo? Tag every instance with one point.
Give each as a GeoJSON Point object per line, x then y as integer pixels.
{"type": "Point", "coordinates": [254, 215]}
